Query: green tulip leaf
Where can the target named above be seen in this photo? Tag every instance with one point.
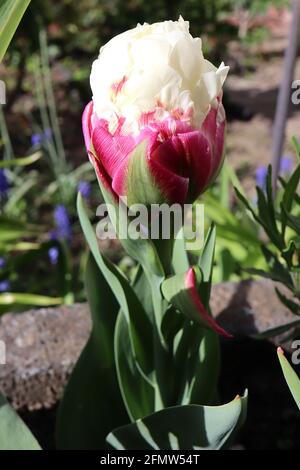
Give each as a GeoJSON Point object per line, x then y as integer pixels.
{"type": "Point", "coordinates": [290, 376]}
{"type": "Point", "coordinates": [189, 427]}
{"type": "Point", "coordinates": [85, 414]}
{"type": "Point", "coordinates": [14, 434]}
{"type": "Point", "coordinates": [137, 392]}
{"type": "Point", "coordinates": [206, 264]}
{"type": "Point", "coordinates": [11, 12]}
{"type": "Point", "coordinates": [180, 260]}
{"type": "Point", "coordinates": [136, 317]}
{"type": "Point", "coordinates": [187, 298]}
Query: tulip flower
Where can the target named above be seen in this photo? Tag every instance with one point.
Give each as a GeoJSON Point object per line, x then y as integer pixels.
{"type": "Point", "coordinates": [154, 130]}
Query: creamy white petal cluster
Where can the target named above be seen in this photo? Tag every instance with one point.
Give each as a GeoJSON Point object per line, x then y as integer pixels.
{"type": "Point", "coordinates": [154, 72]}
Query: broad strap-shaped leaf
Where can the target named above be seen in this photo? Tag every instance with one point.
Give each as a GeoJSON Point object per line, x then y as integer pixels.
{"type": "Point", "coordinates": [182, 290]}
{"type": "Point", "coordinates": [11, 12]}
{"type": "Point", "coordinates": [196, 364]}
{"type": "Point", "coordinates": [206, 263]}
{"type": "Point", "coordinates": [180, 260]}
{"type": "Point", "coordinates": [203, 388]}
{"type": "Point", "coordinates": [138, 393]}
{"type": "Point", "coordinates": [92, 404]}
{"type": "Point", "coordinates": [14, 434]}
{"type": "Point", "coordinates": [290, 376]}
{"type": "Point", "coordinates": [136, 317]}
{"type": "Point", "coordinates": [189, 427]}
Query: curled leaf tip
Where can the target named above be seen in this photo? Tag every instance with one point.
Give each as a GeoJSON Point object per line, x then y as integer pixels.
{"type": "Point", "coordinates": [280, 350]}
{"type": "Point", "coordinates": [191, 285]}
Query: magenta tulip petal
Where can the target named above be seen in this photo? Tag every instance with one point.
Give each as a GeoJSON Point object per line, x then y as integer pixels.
{"type": "Point", "coordinates": [198, 160]}
{"type": "Point", "coordinates": [86, 125]}
{"type": "Point", "coordinates": [174, 187]}
{"type": "Point", "coordinates": [190, 284]}
{"type": "Point", "coordinates": [170, 154]}
{"type": "Point", "coordinates": [119, 179]}
{"type": "Point", "coordinates": [219, 143]}
{"type": "Point", "coordinates": [214, 129]}
{"type": "Point", "coordinates": [102, 174]}
{"type": "Point", "coordinates": [106, 150]}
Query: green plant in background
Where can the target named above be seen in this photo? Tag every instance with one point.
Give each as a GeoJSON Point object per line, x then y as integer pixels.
{"type": "Point", "coordinates": [279, 218]}
{"type": "Point", "coordinates": [22, 240]}
{"type": "Point", "coordinates": [19, 235]}
{"type": "Point", "coordinates": [11, 12]}
{"type": "Point", "coordinates": [238, 242]}
{"type": "Point", "coordinates": [15, 234]}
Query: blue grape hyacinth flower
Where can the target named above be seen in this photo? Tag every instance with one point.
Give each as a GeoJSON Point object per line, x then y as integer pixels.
{"type": "Point", "coordinates": [261, 176]}
{"type": "Point", "coordinates": [38, 139]}
{"type": "Point", "coordinates": [62, 222]}
{"type": "Point", "coordinates": [4, 184]}
{"type": "Point", "coordinates": [286, 165]}
{"type": "Point", "coordinates": [84, 187]}
{"type": "Point", "coordinates": [53, 254]}
{"type": "Point", "coordinates": [4, 286]}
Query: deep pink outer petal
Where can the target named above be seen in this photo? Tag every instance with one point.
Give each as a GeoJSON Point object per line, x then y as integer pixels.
{"type": "Point", "coordinates": [173, 186]}
{"type": "Point", "coordinates": [214, 128]}
{"type": "Point", "coordinates": [190, 284]}
{"type": "Point", "coordinates": [86, 125]}
{"type": "Point", "coordinates": [198, 157]}
{"type": "Point", "coordinates": [87, 133]}
{"type": "Point", "coordinates": [166, 163]}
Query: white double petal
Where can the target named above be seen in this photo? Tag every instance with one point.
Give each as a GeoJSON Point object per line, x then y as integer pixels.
{"type": "Point", "coordinates": [156, 68]}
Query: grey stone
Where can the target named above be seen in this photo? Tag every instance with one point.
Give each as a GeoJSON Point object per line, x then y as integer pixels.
{"type": "Point", "coordinates": [250, 307]}
{"type": "Point", "coordinates": [42, 347]}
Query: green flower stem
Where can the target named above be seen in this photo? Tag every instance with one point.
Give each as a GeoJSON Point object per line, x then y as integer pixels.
{"type": "Point", "coordinates": [164, 249]}
{"type": "Point", "coordinates": [163, 353]}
